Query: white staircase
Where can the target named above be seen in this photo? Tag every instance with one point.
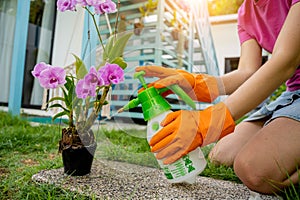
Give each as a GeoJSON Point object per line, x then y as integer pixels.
{"type": "Point", "coordinates": [172, 36]}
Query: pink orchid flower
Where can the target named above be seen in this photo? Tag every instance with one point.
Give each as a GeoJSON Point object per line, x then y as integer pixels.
{"type": "Point", "coordinates": [94, 2]}
{"type": "Point", "coordinates": [84, 90]}
{"type": "Point", "coordinates": [52, 77]}
{"type": "Point", "coordinates": [93, 78]}
{"type": "Point", "coordinates": [39, 68]}
{"type": "Point", "coordinates": [106, 7]}
{"type": "Point", "coordinates": [111, 73]}
{"type": "Point", "coordinates": [63, 5]}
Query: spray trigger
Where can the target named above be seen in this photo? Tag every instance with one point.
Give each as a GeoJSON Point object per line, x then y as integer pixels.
{"type": "Point", "coordinates": [181, 93]}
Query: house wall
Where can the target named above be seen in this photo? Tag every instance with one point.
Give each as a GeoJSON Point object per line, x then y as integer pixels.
{"type": "Point", "coordinates": [67, 41]}
{"type": "Point", "coordinates": [226, 41]}
{"type": "Point", "coordinates": [68, 37]}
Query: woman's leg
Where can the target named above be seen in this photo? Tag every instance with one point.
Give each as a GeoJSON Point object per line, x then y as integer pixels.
{"type": "Point", "coordinates": [225, 151]}
{"type": "Point", "coordinates": [271, 157]}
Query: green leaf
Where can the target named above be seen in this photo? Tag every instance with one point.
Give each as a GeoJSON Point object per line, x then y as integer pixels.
{"type": "Point", "coordinates": [105, 102]}
{"type": "Point", "coordinates": [57, 105]}
{"type": "Point", "coordinates": [66, 97]}
{"type": "Point", "coordinates": [109, 45]}
{"type": "Point", "coordinates": [116, 49]}
{"type": "Point", "coordinates": [120, 61]}
{"type": "Point", "coordinates": [60, 114]}
{"type": "Point", "coordinates": [56, 99]}
{"type": "Point", "coordinates": [70, 93]}
{"type": "Point", "coordinates": [81, 69]}
{"type": "Point", "coordinates": [69, 85]}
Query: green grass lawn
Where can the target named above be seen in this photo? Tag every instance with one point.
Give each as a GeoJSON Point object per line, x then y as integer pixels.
{"type": "Point", "coordinates": [25, 150]}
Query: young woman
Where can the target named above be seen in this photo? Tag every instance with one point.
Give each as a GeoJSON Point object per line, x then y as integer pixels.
{"type": "Point", "coordinates": [264, 149]}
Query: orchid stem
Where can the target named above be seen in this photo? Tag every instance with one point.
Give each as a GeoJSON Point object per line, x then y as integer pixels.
{"type": "Point", "coordinates": [97, 29]}
{"type": "Point", "coordinates": [117, 19]}
{"type": "Point", "coordinates": [96, 111]}
{"type": "Point", "coordinates": [71, 122]}
{"type": "Point", "coordinates": [108, 23]}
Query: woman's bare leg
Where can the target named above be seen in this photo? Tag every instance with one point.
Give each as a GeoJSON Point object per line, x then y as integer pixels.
{"type": "Point", "coordinates": [225, 151]}
{"type": "Point", "coordinates": [270, 158]}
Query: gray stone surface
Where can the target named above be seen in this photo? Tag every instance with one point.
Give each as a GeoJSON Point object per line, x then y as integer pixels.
{"type": "Point", "coordinates": [119, 180]}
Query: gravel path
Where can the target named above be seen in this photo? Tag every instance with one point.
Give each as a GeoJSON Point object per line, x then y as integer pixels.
{"type": "Point", "coordinates": [119, 180]}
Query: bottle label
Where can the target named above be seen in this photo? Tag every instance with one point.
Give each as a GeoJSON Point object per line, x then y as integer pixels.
{"type": "Point", "coordinates": [167, 173]}
{"type": "Point", "coordinates": [179, 168]}
{"type": "Point", "coordinates": [188, 166]}
{"type": "Point", "coordinates": [188, 163]}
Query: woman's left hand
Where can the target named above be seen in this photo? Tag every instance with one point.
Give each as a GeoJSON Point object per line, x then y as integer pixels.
{"type": "Point", "coordinates": [183, 131]}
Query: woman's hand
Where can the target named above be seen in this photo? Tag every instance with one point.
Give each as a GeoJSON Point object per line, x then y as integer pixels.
{"type": "Point", "coordinates": [183, 131]}
{"type": "Point", "coordinates": [200, 87]}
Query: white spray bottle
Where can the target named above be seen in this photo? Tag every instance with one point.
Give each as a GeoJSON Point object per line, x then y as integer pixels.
{"type": "Point", "coordinates": [155, 109]}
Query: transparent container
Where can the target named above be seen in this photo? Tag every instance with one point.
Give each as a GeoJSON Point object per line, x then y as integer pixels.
{"type": "Point", "coordinates": [187, 168]}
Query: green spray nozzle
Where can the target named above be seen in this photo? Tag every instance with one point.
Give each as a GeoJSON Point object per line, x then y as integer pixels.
{"type": "Point", "coordinates": [152, 101]}
{"type": "Point", "coordinates": [131, 104]}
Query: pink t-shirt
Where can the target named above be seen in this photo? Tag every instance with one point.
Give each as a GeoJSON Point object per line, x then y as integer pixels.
{"type": "Point", "coordinates": [262, 21]}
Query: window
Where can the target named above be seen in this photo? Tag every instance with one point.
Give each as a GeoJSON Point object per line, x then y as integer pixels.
{"type": "Point", "coordinates": [231, 64]}
{"type": "Point", "coordinates": [8, 10]}
{"type": "Point", "coordinates": [38, 48]}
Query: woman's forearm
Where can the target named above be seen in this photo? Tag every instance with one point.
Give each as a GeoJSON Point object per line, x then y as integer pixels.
{"type": "Point", "coordinates": [228, 83]}
{"type": "Point", "coordinates": [249, 62]}
{"type": "Point", "coordinates": [257, 88]}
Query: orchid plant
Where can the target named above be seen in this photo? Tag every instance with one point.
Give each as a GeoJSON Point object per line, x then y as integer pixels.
{"type": "Point", "coordinates": [85, 92]}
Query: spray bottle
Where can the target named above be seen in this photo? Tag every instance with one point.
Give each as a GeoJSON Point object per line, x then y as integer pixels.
{"type": "Point", "coordinates": [155, 109]}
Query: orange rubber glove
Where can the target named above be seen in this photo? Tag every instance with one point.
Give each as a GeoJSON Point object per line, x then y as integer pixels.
{"type": "Point", "coordinates": [183, 131]}
{"type": "Point", "coordinates": [200, 87]}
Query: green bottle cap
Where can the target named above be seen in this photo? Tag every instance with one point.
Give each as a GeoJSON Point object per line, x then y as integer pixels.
{"type": "Point", "coordinates": [153, 104]}
{"type": "Point", "coordinates": [140, 76]}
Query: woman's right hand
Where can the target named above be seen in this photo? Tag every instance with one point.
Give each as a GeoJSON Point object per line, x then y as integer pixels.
{"type": "Point", "coordinates": [200, 87]}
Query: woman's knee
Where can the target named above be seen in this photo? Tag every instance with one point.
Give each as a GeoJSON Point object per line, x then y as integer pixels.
{"type": "Point", "coordinates": [228, 147]}
{"type": "Point", "coordinates": [221, 153]}
{"type": "Point", "coordinates": [252, 175]}
{"type": "Point", "coordinates": [265, 160]}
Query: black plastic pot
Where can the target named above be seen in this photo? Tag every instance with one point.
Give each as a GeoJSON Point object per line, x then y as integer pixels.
{"type": "Point", "coordinates": [78, 162]}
